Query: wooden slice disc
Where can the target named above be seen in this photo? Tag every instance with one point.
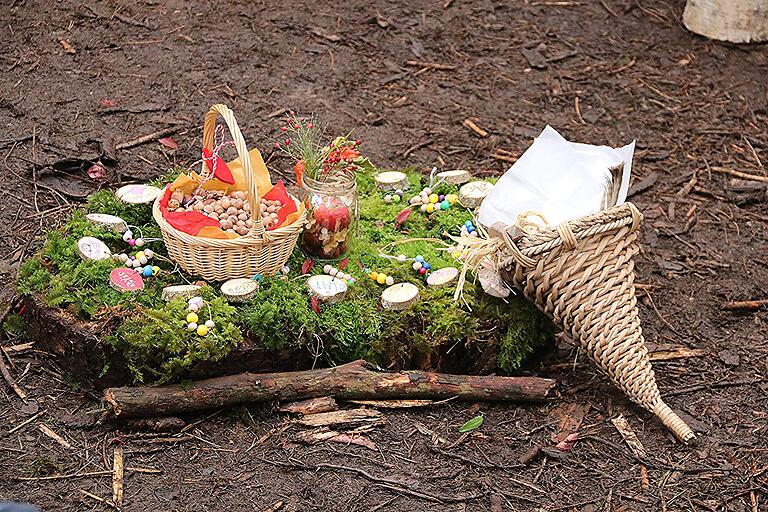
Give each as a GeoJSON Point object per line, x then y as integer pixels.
{"type": "Point", "coordinates": [138, 194]}
{"type": "Point", "coordinates": [184, 291]}
{"type": "Point", "coordinates": [457, 177]}
{"type": "Point", "coordinates": [239, 290]}
{"type": "Point", "coordinates": [126, 280]}
{"type": "Point", "coordinates": [442, 277]}
{"type": "Point", "coordinates": [111, 222]}
{"type": "Point", "coordinates": [391, 180]}
{"type": "Point", "coordinates": [399, 296]}
{"type": "Point", "coordinates": [472, 194]}
{"type": "Point", "coordinates": [327, 289]}
{"type": "Point", "coordinates": [93, 249]}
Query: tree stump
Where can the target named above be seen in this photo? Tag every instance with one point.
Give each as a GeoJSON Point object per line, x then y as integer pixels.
{"type": "Point", "coordinates": [736, 21]}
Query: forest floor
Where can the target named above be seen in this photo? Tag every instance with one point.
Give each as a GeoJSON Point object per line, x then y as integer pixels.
{"type": "Point", "coordinates": [405, 76]}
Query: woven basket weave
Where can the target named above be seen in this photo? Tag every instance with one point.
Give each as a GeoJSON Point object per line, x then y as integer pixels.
{"type": "Point", "coordinates": [581, 274]}
{"type": "Point", "coordinates": [258, 252]}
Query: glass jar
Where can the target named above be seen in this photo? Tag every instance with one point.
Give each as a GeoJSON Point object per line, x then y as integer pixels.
{"type": "Point", "coordinates": [332, 215]}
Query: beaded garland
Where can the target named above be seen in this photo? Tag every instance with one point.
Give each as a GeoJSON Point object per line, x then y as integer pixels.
{"type": "Point", "coordinates": [193, 306]}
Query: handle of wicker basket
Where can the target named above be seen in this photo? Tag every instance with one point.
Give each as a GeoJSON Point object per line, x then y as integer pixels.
{"type": "Point", "coordinates": [242, 151]}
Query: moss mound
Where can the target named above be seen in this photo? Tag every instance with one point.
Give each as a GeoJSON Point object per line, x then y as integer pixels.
{"type": "Point", "coordinates": [151, 333]}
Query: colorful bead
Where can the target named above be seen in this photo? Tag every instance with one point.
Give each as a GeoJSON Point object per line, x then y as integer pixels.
{"type": "Point", "coordinates": [433, 198]}
{"type": "Point", "coordinates": [128, 235]}
{"type": "Point", "coordinates": [396, 198]}
{"type": "Point", "coordinates": [374, 275]}
{"type": "Point", "coordinates": [468, 224]}
{"type": "Point", "coordinates": [422, 271]}
{"type": "Point", "coordinates": [139, 242]}
{"type": "Point", "coordinates": [387, 198]}
{"type": "Point", "coordinates": [419, 258]}
{"type": "Point", "coordinates": [401, 257]}
{"type": "Point", "coordinates": [390, 281]}
{"type": "Point", "coordinates": [416, 265]}
{"type": "Point", "coordinates": [192, 317]}
{"type": "Point", "coordinates": [381, 278]}
{"type": "Point", "coordinates": [258, 278]}
{"type": "Point", "coordinates": [444, 205]}
{"type": "Point", "coordinates": [147, 271]}
{"type": "Point", "coordinates": [441, 198]}
{"type": "Point", "coordinates": [155, 269]}
{"type": "Point", "coordinates": [149, 253]}
{"type": "Point", "coordinates": [426, 265]}
{"type": "Point", "coordinates": [429, 207]}
{"type": "Point", "coordinates": [191, 326]}
{"type": "Point", "coordinates": [202, 330]}
{"type": "Point", "coordinates": [399, 192]}
{"type": "Point", "coordinates": [327, 269]}
{"type": "Point", "coordinates": [423, 207]}
{"type": "Point", "coordinates": [210, 324]}
{"type": "Point", "coordinates": [131, 242]}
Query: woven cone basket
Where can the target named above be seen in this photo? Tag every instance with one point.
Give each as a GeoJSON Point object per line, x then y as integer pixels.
{"type": "Point", "coordinates": [581, 274]}
{"type": "Point", "coordinates": [258, 252]}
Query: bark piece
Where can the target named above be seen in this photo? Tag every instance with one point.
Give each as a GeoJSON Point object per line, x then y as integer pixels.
{"type": "Point", "coordinates": [311, 406]}
{"type": "Point", "coordinates": [346, 417]}
{"type": "Point", "coordinates": [353, 381]}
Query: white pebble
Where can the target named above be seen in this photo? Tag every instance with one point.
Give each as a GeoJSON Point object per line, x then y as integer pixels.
{"type": "Point", "coordinates": [416, 265]}
{"type": "Point", "coordinates": [327, 269]}
{"type": "Point", "coordinates": [390, 280]}
{"type": "Point", "coordinates": [210, 324]}
{"type": "Point", "coordinates": [191, 326]}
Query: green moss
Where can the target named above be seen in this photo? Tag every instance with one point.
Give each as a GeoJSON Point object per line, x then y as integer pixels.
{"type": "Point", "coordinates": [158, 347]}
{"type": "Point", "coordinates": [151, 334]}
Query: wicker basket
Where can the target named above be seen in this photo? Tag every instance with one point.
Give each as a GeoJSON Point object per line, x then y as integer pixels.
{"type": "Point", "coordinates": [581, 274]}
{"type": "Point", "coordinates": [258, 252]}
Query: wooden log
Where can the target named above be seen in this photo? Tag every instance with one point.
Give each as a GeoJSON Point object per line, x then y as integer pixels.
{"type": "Point", "coordinates": [737, 21]}
{"type": "Point", "coordinates": [357, 380]}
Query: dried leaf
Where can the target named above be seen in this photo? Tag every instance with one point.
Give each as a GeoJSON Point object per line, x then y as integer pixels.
{"type": "Point", "coordinates": [402, 217]}
{"type": "Point", "coordinates": [307, 265]}
{"type": "Point", "coordinates": [315, 305]}
{"type": "Point", "coordinates": [567, 443]}
{"type": "Point", "coordinates": [107, 103]}
{"type": "Point", "coordinates": [343, 263]}
{"type": "Point", "coordinates": [68, 48]}
{"type": "Point", "coordinates": [96, 171]}
{"type": "Point", "coordinates": [472, 424]}
{"type": "Point", "coordinates": [168, 142]}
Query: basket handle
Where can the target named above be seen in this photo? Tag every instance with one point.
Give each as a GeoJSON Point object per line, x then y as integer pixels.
{"type": "Point", "coordinates": [242, 151]}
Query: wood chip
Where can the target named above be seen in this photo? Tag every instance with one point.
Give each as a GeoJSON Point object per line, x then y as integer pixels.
{"type": "Point", "coordinates": [327, 289]}
{"type": "Point", "coordinates": [629, 436]}
{"type": "Point", "coordinates": [666, 354]}
{"type": "Point", "coordinates": [455, 177]}
{"type": "Point", "coordinates": [345, 417]}
{"type": "Point", "coordinates": [431, 65]}
{"type": "Point", "coordinates": [239, 290]}
{"type": "Point", "coordinates": [68, 48]}
{"type": "Point", "coordinates": [472, 194]}
{"type": "Point", "coordinates": [315, 437]}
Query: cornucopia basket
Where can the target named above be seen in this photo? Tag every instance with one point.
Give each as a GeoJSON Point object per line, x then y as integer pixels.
{"type": "Point", "coordinates": [258, 252]}
{"type": "Point", "coordinates": [580, 273]}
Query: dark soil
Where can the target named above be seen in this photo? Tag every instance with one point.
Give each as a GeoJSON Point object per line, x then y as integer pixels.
{"type": "Point", "coordinates": [599, 72]}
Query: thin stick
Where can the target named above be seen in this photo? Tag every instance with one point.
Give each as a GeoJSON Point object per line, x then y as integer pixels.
{"type": "Point", "coordinates": [750, 305]}
{"type": "Point", "coordinates": [9, 379]}
{"type": "Point", "coordinates": [26, 422]}
{"type": "Point", "coordinates": [739, 174]}
{"type": "Point", "coordinates": [148, 138]}
{"type": "Point", "coordinates": [85, 475]}
{"type": "Point", "coordinates": [56, 437]}
{"type": "Point", "coordinates": [472, 126]}
{"type": "Point", "coordinates": [431, 65]}
{"type": "Point", "coordinates": [97, 498]}
{"type": "Point", "coordinates": [118, 469]}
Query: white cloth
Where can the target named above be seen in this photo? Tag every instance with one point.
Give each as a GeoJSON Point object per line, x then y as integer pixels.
{"type": "Point", "coordinates": [560, 179]}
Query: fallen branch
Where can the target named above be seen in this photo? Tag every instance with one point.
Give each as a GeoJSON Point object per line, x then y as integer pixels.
{"type": "Point", "coordinates": [431, 65]}
{"type": "Point", "coordinates": [353, 381]}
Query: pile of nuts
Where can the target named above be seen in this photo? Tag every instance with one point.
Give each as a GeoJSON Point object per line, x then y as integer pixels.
{"type": "Point", "coordinates": [233, 211]}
